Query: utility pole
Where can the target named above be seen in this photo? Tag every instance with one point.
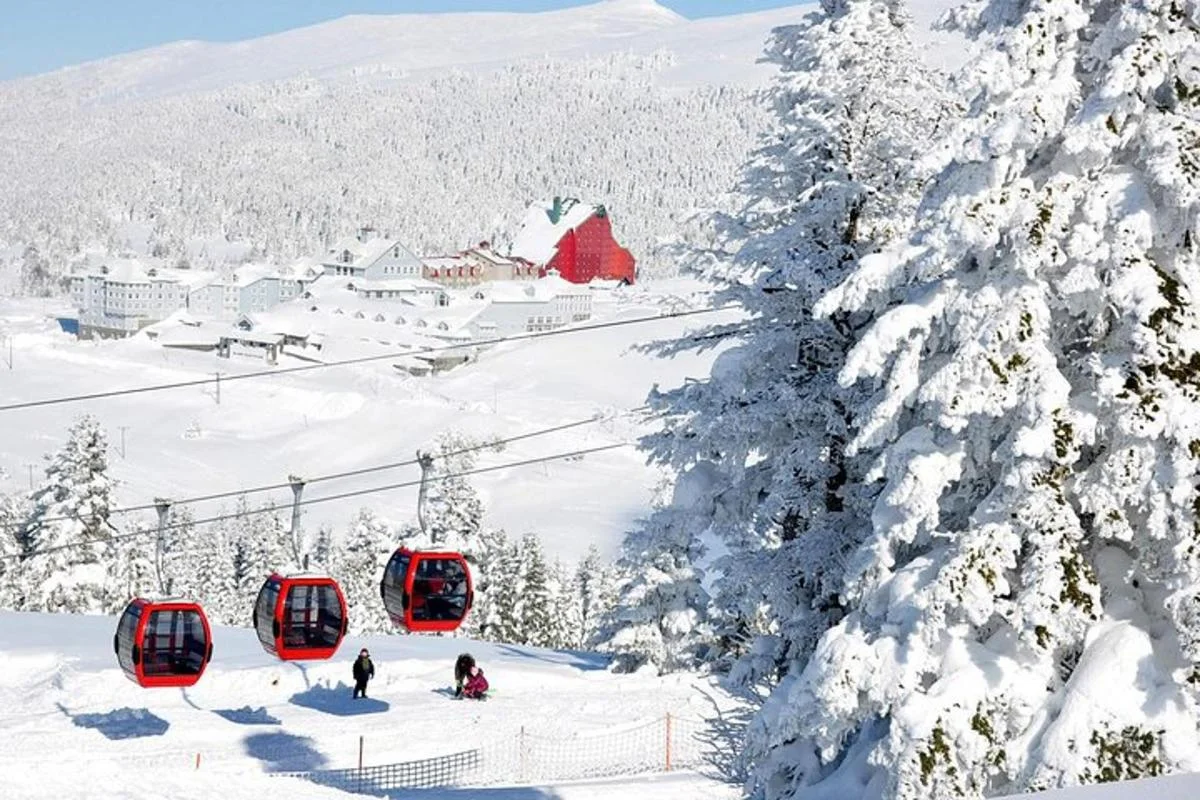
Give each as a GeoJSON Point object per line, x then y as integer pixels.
{"type": "Point", "coordinates": [297, 484]}
{"type": "Point", "coordinates": [123, 429]}
{"type": "Point", "coordinates": [163, 507]}
{"type": "Point", "coordinates": [218, 388]}
{"type": "Point", "coordinates": [426, 462]}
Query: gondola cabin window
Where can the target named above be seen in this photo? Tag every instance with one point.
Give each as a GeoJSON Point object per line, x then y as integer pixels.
{"type": "Point", "coordinates": [264, 609]}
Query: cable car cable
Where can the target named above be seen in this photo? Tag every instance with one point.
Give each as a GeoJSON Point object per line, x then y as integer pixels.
{"type": "Point", "coordinates": [346, 474]}
{"type": "Point", "coordinates": [51, 401]}
{"type": "Point", "coordinates": [312, 501]}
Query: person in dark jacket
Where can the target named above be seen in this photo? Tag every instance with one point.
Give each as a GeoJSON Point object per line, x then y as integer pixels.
{"type": "Point", "coordinates": [364, 670]}
{"type": "Point", "coordinates": [462, 668]}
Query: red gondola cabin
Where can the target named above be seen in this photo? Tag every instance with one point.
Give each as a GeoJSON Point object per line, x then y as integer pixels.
{"type": "Point", "coordinates": [300, 618]}
{"type": "Point", "coordinates": [426, 591]}
{"type": "Point", "coordinates": [163, 642]}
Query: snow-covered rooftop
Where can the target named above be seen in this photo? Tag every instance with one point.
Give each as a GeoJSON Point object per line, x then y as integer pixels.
{"type": "Point", "coordinates": [544, 226]}
{"type": "Point", "coordinates": [364, 253]}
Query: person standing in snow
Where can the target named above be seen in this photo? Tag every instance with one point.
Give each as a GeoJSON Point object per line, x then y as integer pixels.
{"type": "Point", "coordinates": [364, 670]}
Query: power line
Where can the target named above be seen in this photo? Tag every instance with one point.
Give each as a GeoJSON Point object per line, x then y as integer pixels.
{"type": "Point", "coordinates": [486, 445]}
{"type": "Point", "coordinates": [313, 501]}
{"type": "Point", "coordinates": [351, 361]}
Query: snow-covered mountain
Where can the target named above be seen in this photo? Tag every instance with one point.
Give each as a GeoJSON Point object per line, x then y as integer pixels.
{"type": "Point", "coordinates": [438, 127]}
{"type": "Point", "coordinates": [421, 44]}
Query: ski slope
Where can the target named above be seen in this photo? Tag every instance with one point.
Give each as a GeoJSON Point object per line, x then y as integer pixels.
{"type": "Point", "coordinates": [182, 443]}
{"type": "Point", "coordinates": [75, 727]}
{"type": "Point", "coordinates": [73, 723]}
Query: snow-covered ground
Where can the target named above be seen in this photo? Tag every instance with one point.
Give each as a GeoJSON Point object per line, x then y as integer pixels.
{"type": "Point", "coordinates": [181, 443]}
{"type": "Point", "coordinates": [75, 727]}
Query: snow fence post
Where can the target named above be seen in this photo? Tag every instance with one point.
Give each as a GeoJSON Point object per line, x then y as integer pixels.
{"type": "Point", "coordinates": [668, 742]}
{"type": "Point", "coordinates": [521, 749]}
{"type": "Point", "coordinates": [360, 762]}
{"type": "Point", "coordinates": [197, 761]}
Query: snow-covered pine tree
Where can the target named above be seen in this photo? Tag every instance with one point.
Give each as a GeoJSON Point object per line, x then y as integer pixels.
{"type": "Point", "coordinates": [595, 584]}
{"type": "Point", "coordinates": [535, 603]}
{"type": "Point", "coordinates": [210, 578]}
{"type": "Point", "coordinates": [260, 544]}
{"type": "Point", "coordinates": [762, 442]}
{"type": "Point", "coordinates": [566, 610]}
{"type": "Point", "coordinates": [500, 614]}
{"type": "Point", "coordinates": [12, 515]}
{"type": "Point", "coordinates": [661, 617]}
{"type": "Point", "coordinates": [180, 549]}
{"type": "Point", "coordinates": [131, 571]}
{"type": "Point", "coordinates": [1024, 610]}
{"type": "Point", "coordinates": [453, 509]}
{"type": "Point", "coordinates": [358, 567]}
{"type": "Point", "coordinates": [66, 563]}
{"type": "Point", "coordinates": [324, 550]}
{"type": "Point", "coordinates": [486, 555]}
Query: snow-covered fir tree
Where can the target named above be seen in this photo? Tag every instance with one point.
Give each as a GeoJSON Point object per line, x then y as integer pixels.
{"type": "Point", "coordinates": [491, 584]}
{"type": "Point", "coordinates": [498, 616]}
{"type": "Point", "coordinates": [12, 516]}
{"type": "Point", "coordinates": [323, 549]}
{"type": "Point", "coordinates": [453, 511]}
{"type": "Point", "coordinates": [659, 620]}
{"type": "Point", "coordinates": [1022, 610]}
{"type": "Point", "coordinates": [358, 566]}
{"type": "Point", "coordinates": [132, 570]}
{"type": "Point", "coordinates": [595, 584]}
{"type": "Point", "coordinates": [65, 537]}
{"type": "Point", "coordinates": [208, 576]}
{"type": "Point", "coordinates": [534, 609]}
{"type": "Point", "coordinates": [661, 617]}
{"type": "Point", "coordinates": [760, 446]}
{"type": "Point", "coordinates": [260, 544]}
{"type": "Point", "coordinates": [566, 608]}
{"type": "Point", "coordinates": [180, 548]}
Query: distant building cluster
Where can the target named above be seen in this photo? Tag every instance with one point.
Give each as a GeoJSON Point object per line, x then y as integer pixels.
{"type": "Point", "coordinates": [367, 294]}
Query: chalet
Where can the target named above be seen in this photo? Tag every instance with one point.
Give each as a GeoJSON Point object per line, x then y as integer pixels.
{"type": "Point", "coordinates": [476, 265]}
{"type": "Point", "coordinates": [247, 338]}
{"type": "Point", "coordinates": [575, 239]}
{"type": "Point", "coordinates": [370, 256]}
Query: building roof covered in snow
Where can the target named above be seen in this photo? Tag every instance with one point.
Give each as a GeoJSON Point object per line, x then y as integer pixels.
{"type": "Point", "coordinates": [545, 225]}
{"type": "Point", "coordinates": [136, 270]}
{"type": "Point", "coordinates": [365, 249]}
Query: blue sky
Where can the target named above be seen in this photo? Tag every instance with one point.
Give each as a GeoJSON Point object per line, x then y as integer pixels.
{"type": "Point", "coordinates": [41, 35]}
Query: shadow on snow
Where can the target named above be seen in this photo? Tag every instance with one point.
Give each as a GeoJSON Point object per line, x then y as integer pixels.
{"type": "Point", "coordinates": [586, 662]}
{"type": "Point", "coordinates": [247, 715]}
{"type": "Point", "coordinates": [284, 752]}
{"type": "Point", "coordinates": [123, 723]}
{"type": "Point", "coordinates": [337, 700]}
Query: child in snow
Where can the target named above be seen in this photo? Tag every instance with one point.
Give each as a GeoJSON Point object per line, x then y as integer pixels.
{"type": "Point", "coordinates": [364, 670]}
{"type": "Point", "coordinates": [476, 686]}
{"type": "Point", "coordinates": [462, 668]}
